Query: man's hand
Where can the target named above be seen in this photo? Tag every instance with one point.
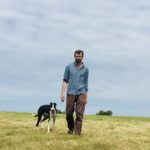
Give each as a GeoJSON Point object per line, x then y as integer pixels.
{"type": "Point", "coordinates": [62, 98]}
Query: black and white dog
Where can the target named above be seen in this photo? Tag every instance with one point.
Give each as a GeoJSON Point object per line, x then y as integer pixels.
{"type": "Point", "coordinates": [47, 112]}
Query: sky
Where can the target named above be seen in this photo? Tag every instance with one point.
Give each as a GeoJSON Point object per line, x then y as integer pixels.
{"type": "Point", "coordinates": [38, 39]}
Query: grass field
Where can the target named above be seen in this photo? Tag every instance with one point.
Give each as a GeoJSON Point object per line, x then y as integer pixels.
{"type": "Point", "coordinates": [18, 132]}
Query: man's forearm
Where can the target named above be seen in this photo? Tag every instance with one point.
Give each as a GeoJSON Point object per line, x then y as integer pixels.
{"type": "Point", "coordinates": [64, 86]}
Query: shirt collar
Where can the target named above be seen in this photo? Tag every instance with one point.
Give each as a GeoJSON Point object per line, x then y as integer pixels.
{"type": "Point", "coordinates": [82, 65]}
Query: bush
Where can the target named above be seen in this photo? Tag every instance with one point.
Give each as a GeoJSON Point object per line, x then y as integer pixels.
{"type": "Point", "coordinates": [60, 112]}
{"type": "Point", "coordinates": [108, 112]}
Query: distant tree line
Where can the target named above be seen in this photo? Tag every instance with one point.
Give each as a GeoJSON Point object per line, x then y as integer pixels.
{"type": "Point", "coordinates": [101, 112]}
{"type": "Point", "coordinates": [60, 112]}
{"type": "Point", "coordinates": [108, 113]}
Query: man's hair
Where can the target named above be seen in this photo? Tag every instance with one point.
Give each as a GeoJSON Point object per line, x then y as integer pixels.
{"type": "Point", "coordinates": [78, 52]}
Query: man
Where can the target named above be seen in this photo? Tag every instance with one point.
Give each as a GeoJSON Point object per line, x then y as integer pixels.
{"type": "Point", "coordinates": [76, 81]}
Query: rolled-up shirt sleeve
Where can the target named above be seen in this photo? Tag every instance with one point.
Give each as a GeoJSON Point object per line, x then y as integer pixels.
{"type": "Point", "coordinates": [86, 79]}
{"type": "Point", "coordinates": [66, 74]}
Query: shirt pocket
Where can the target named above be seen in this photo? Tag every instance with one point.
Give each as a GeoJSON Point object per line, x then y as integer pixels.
{"type": "Point", "coordinates": [82, 78]}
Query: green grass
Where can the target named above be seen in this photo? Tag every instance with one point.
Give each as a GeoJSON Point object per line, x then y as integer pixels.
{"type": "Point", "coordinates": [18, 132]}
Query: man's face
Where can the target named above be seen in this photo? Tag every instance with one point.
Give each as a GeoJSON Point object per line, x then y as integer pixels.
{"type": "Point", "coordinates": [78, 57]}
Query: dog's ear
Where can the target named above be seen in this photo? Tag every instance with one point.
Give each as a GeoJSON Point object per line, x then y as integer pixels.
{"type": "Point", "coordinates": [55, 104]}
{"type": "Point", "coordinates": [50, 104]}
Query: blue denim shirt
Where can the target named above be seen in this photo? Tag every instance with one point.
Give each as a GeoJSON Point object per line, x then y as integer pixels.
{"type": "Point", "coordinates": [77, 79]}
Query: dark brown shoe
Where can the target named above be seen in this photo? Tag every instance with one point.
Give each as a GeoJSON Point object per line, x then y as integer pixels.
{"type": "Point", "coordinates": [77, 133]}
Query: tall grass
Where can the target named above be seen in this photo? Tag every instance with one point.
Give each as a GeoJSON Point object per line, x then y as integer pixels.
{"type": "Point", "coordinates": [18, 132]}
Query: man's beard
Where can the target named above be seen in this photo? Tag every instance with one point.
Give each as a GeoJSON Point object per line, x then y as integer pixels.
{"type": "Point", "coordinates": [78, 61]}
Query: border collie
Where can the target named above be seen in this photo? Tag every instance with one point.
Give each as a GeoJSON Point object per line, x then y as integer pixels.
{"type": "Point", "coordinates": [47, 112]}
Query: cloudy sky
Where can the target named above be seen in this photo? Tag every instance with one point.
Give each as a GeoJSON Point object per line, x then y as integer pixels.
{"type": "Point", "coordinates": [38, 39]}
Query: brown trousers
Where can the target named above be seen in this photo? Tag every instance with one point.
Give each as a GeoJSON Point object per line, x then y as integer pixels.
{"type": "Point", "coordinates": [77, 103]}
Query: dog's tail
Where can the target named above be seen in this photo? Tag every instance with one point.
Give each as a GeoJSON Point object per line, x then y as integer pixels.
{"type": "Point", "coordinates": [34, 115]}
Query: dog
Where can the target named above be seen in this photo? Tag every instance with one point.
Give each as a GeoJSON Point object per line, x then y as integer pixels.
{"type": "Point", "coordinates": [47, 112]}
